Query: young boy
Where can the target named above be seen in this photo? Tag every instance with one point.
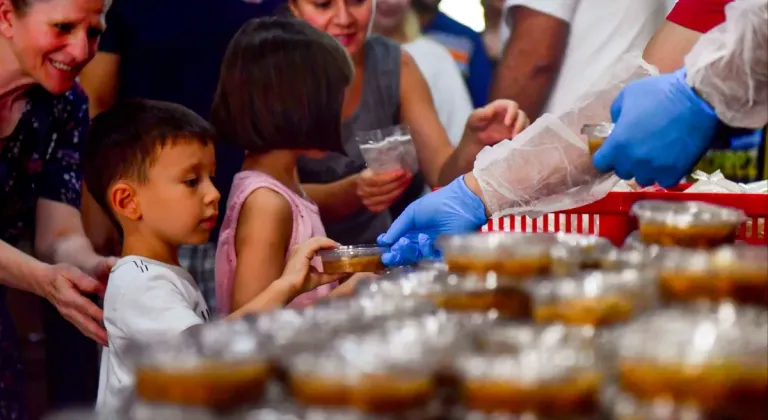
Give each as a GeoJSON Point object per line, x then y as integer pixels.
{"type": "Point", "coordinates": [150, 165]}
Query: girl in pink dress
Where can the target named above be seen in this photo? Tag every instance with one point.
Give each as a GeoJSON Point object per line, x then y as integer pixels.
{"type": "Point", "coordinates": [279, 97]}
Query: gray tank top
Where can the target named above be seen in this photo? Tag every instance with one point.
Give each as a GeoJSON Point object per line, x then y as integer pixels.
{"type": "Point", "coordinates": [379, 108]}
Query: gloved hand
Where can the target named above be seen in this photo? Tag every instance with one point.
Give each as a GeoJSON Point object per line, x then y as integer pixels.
{"type": "Point", "coordinates": [452, 209]}
{"type": "Point", "coordinates": [662, 129]}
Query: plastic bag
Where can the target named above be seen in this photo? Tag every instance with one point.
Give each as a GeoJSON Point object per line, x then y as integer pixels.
{"type": "Point", "coordinates": [389, 149]}
{"type": "Point", "coordinates": [548, 167]}
{"type": "Point", "coordinates": [728, 66]}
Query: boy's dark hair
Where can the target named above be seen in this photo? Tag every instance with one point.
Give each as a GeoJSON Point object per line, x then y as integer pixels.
{"type": "Point", "coordinates": [123, 142]}
{"type": "Point", "coordinates": [282, 87]}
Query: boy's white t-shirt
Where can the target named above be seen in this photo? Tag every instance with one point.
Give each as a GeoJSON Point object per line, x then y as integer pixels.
{"type": "Point", "coordinates": [601, 33]}
{"type": "Point", "coordinates": [449, 91]}
{"type": "Point", "coordinates": [145, 301]}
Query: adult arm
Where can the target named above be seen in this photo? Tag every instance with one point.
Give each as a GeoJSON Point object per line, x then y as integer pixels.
{"type": "Point", "coordinates": [100, 78]}
{"type": "Point", "coordinates": [264, 230]}
{"type": "Point", "coordinates": [532, 57]}
{"type": "Point", "coordinates": [60, 237]}
{"type": "Point", "coordinates": [681, 30]}
{"type": "Point", "coordinates": [98, 227]}
{"type": "Point", "coordinates": [21, 271]}
{"type": "Point", "coordinates": [669, 45]}
{"type": "Point", "coordinates": [336, 200]}
{"type": "Point", "coordinates": [439, 161]}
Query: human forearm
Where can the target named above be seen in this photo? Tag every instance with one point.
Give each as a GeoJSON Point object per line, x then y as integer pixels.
{"type": "Point", "coordinates": [98, 227]}
{"type": "Point", "coordinates": [336, 200]}
{"type": "Point", "coordinates": [72, 248]}
{"type": "Point", "coordinates": [278, 294]}
{"type": "Point", "coordinates": [461, 160]}
{"type": "Point", "coordinates": [19, 270]}
{"type": "Point", "coordinates": [528, 70]}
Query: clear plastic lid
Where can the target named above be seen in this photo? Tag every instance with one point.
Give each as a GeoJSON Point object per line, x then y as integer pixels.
{"type": "Point", "coordinates": [601, 130]}
{"type": "Point", "coordinates": [742, 259]}
{"type": "Point", "coordinates": [727, 259]}
{"type": "Point", "coordinates": [321, 323]}
{"type": "Point", "coordinates": [350, 252]}
{"type": "Point", "coordinates": [640, 258]}
{"type": "Point", "coordinates": [698, 336]}
{"type": "Point", "coordinates": [637, 285]}
{"type": "Point", "coordinates": [512, 337]}
{"type": "Point", "coordinates": [351, 358]}
{"type": "Point", "coordinates": [533, 366]}
{"type": "Point", "coordinates": [433, 265]}
{"type": "Point", "coordinates": [686, 214]}
{"type": "Point", "coordinates": [220, 341]}
{"type": "Point", "coordinates": [423, 283]}
{"type": "Point", "coordinates": [497, 245]}
{"type": "Point", "coordinates": [578, 252]}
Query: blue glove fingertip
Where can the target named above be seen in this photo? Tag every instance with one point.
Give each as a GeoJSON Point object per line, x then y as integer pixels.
{"type": "Point", "coordinates": [427, 248]}
{"type": "Point", "coordinates": [389, 259]}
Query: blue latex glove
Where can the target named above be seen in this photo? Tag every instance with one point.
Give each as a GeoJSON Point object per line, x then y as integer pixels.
{"type": "Point", "coordinates": [662, 129]}
{"type": "Point", "coordinates": [452, 209]}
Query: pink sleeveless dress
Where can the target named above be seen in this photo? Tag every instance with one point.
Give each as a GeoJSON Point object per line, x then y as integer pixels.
{"type": "Point", "coordinates": [306, 224]}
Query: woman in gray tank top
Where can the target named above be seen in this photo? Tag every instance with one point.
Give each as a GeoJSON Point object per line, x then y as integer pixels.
{"type": "Point", "coordinates": [388, 89]}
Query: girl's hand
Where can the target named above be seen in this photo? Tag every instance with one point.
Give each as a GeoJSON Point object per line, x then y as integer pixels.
{"type": "Point", "coordinates": [348, 287]}
{"type": "Point", "coordinates": [500, 120]}
{"type": "Point", "coordinates": [299, 273]}
{"type": "Point", "coordinates": [378, 191]}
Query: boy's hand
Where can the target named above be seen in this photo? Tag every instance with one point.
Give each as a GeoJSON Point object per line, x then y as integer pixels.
{"type": "Point", "coordinates": [378, 191]}
{"type": "Point", "coordinates": [299, 273]}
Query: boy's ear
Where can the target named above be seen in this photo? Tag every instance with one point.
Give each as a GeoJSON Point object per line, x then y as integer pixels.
{"type": "Point", "coordinates": [123, 198]}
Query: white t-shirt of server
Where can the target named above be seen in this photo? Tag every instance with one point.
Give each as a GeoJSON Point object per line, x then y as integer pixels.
{"type": "Point", "coordinates": [145, 301]}
{"type": "Point", "coordinates": [601, 33]}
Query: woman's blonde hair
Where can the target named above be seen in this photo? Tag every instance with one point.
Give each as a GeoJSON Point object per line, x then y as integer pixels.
{"type": "Point", "coordinates": [411, 25]}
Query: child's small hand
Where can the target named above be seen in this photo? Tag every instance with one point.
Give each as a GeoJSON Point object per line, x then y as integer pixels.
{"type": "Point", "coordinates": [378, 191]}
{"type": "Point", "coordinates": [500, 120]}
{"type": "Point", "coordinates": [298, 268]}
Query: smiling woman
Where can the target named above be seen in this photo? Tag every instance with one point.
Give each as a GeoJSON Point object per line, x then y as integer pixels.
{"type": "Point", "coordinates": [43, 122]}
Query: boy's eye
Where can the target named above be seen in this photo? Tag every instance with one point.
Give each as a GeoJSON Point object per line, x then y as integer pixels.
{"type": "Point", "coordinates": [192, 182]}
{"type": "Point", "coordinates": [64, 28]}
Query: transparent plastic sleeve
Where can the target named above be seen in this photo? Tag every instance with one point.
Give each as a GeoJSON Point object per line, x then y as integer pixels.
{"type": "Point", "coordinates": [548, 167]}
{"type": "Point", "coordinates": [389, 149]}
{"type": "Point", "coordinates": [728, 66]}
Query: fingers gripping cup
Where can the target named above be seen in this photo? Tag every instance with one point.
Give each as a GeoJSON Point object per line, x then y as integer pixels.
{"type": "Point", "coordinates": [353, 259]}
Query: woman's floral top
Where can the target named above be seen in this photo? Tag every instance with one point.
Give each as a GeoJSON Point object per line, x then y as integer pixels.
{"type": "Point", "coordinates": [40, 159]}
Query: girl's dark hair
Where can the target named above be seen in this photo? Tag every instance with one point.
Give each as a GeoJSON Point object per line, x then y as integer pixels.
{"type": "Point", "coordinates": [282, 87]}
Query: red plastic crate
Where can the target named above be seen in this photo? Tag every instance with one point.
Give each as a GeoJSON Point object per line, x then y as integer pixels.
{"type": "Point", "coordinates": [610, 217]}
